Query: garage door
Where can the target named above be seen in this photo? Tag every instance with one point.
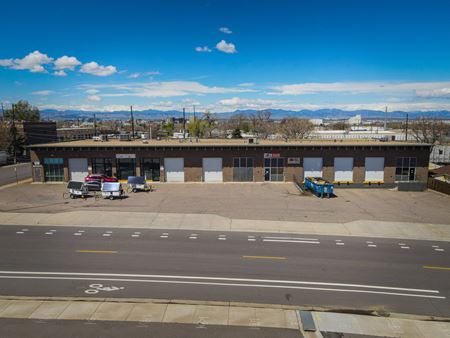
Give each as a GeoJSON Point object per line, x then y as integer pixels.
{"type": "Point", "coordinates": [343, 169]}
{"type": "Point", "coordinates": [174, 168]}
{"type": "Point", "coordinates": [374, 169]}
{"type": "Point", "coordinates": [312, 166]}
{"type": "Point", "coordinates": [78, 169]}
{"type": "Point", "coordinates": [212, 169]}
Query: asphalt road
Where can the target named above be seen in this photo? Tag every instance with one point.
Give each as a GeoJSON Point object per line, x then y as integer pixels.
{"type": "Point", "coordinates": [336, 272]}
{"type": "Point", "coordinates": [18, 328]}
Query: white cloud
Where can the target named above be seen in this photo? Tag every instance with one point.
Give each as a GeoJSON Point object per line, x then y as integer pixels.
{"type": "Point", "coordinates": [34, 62]}
{"type": "Point", "coordinates": [137, 75]}
{"type": "Point", "coordinates": [246, 84]}
{"type": "Point", "coordinates": [417, 88]}
{"type": "Point", "coordinates": [66, 62]}
{"type": "Point", "coordinates": [43, 92]}
{"type": "Point", "coordinates": [94, 98]}
{"type": "Point", "coordinates": [94, 68]}
{"type": "Point", "coordinates": [92, 91]}
{"type": "Point", "coordinates": [59, 73]}
{"type": "Point", "coordinates": [226, 47]}
{"type": "Point", "coordinates": [204, 49]}
{"type": "Point", "coordinates": [225, 30]}
{"type": "Point", "coordinates": [163, 89]}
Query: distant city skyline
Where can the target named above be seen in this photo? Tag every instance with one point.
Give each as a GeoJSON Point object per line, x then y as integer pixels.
{"type": "Point", "coordinates": [227, 55]}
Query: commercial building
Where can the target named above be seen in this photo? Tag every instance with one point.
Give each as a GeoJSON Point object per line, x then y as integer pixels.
{"type": "Point", "coordinates": [355, 163]}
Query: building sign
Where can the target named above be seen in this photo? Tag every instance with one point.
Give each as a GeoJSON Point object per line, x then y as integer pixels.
{"type": "Point", "coordinates": [125, 155]}
{"type": "Point", "coordinates": [293, 160]}
{"type": "Point", "coordinates": [271, 155]}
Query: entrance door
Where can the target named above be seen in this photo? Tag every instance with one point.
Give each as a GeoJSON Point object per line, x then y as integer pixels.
{"type": "Point", "coordinates": [312, 166]}
{"type": "Point", "coordinates": [150, 168]}
{"type": "Point", "coordinates": [212, 169]}
{"type": "Point", "coordinates": [78, 169]}
{"type": "Point", "coordinates": [174, 168]}
{"type": "Point", "coordinates": [274, 169]}
{"type": "Point", "coordinates": [126, 167]}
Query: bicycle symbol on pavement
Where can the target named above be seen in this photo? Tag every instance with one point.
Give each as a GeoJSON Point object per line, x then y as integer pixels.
{"type": "Point", "coordinates": [96, 288]}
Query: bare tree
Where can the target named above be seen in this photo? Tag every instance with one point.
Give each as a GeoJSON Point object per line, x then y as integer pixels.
{"type": "Point", "coordinates": [261, 123]}
{"type": "Point", "coordinates": [209, 122]}
{"type": "Point", "coordinates": [294, 128]}
{"type": "Point", "coordinates": [429, 130]}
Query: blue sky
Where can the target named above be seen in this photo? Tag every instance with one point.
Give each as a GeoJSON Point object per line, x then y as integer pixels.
{"type": "Point", "coordinates": [226, 55]}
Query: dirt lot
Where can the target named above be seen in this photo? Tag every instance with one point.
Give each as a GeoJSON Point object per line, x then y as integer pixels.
{"type": "Point", "coordinates": [248, 201]}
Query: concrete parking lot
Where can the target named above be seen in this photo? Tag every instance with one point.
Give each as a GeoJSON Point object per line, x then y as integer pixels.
{"type": "Point", "coordinates": [246, 201]}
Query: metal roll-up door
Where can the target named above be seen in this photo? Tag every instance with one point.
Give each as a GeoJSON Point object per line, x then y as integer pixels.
{"type": "Point", "coordinates": [312, 166]}
{"type": "Point", "coordinates": [174, 168]}
{"type": "Point", "coordinates": [374, 169]}
{"type": "Point", "coordinates": [78, 169]}
{"type": "Point", "coordinates": [343, 169]}
{"type": "Point", "coordinates": [212, 169]}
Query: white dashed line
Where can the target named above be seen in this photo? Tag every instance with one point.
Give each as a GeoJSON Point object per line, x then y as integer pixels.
{"type": "Point", "coordinates": [372, 245]}
{"type": "Point", "coordinates": [369, 242]}
{"type": "Point", "coordinates": [106, 235]}
{"type": "Point", "coordinates": [135, 235]}
{"type": "Point", "coordinates": [438, 249]}
{"type": "Point", "coordinates": [77, 234]}
{"type": "Point", "coordinates": [192, 237]}
{"type": "Point", "coordinates": [290, 241]}
{"type": "Point", "coordinates": [49, 233]}
{"type": "Point", "coordinates": [401, 244]}
{"type": "Point", "coordinates": [24, 229]}
{"type": "Point", "coordinates": [435, 246]}
{"type": "Point", "coordinates": [404, 247]}
{"type": "Point", "coordinates": [137, 232]}
{"type": "Point", "coordinates": [338, 240]}
{"type": "Point", "coordinates": [109, 232]}
{"type": "Point", "coordinates": [291, 238]}
{"type": "Point", "coordinates": [19, 232]}
{"type": "Point", "coordinates": [252, 240]}
{"type": "Point", "coordinates": [340, 243]}
{"type": "Point", "coordinates": [80, 231]}
{"type": "Point", "coordinates": [164, 236]}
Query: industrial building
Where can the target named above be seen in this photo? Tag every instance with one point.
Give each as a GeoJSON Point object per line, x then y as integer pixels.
{"type": "Point", "coordinates": [353, 163]}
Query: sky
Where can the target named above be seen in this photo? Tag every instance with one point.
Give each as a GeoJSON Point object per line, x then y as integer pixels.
{"type": "Point", "coordinates": [224, 55]}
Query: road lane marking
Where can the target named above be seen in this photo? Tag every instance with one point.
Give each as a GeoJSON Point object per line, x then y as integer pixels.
{"type": "Point", "coordinates": [264, 257]}
{"type": "Point", "coordinates": [49, 233]}
{"type": "Point", "coordinates": [164, 236]}
{"type": "Point", "coordinates": [295, 238]}
{"type": "Point", "coordinates": [435, 246]}
{"type": "Point", "coordinates": [77, 233]}
{"type": "Point", "coordinates": [80, 231]}
{"type": "Point", "coordinates": [98, 251]}
{"type": "Point", "coordinates": [19, 232]}
{"type": "Point", "coordinates": [340, 243]}
{"type": "Point", "coordinates": [372, 245]}
{"type": "Point", "coordinates": [106, 235]}
{"type": "Point", "coordinates": [251, 240]}
{"type": "Point", "coordinates": [135, 235]}
{"type": "Point", "coordinates": [233, 279]}
{"type": "Point", "coordinates": [404, 247]}
{"type": "Point", "coordinates": [369, 242]}
{"type": "Point", "coordinates": [439, 250]}
{"type": "Point", "coordinates": [436, 267]}
{"type": "Point", "coordinates": [228, 284]}
{"type": "Point", "coordinates": [290, 241]}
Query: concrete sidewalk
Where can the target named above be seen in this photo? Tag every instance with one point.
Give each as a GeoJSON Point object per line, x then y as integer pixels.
{"type": "Point", "coordinates": [238, 314]}
{"type": "Point", "coordinates": [363, 228]}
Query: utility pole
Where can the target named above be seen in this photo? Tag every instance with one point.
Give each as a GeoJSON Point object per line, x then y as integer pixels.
{"type": "Point", "coordinates": [14, 132]}
{"type": "Point", "coordinates": [385, 118]}
{"type": "Point", "coordinates": [406, 128]}
{"type": "Point", "coordinates": [132, 122]}
{"type": "Point", "coordinates": [95, 125]}
{"type": "Point", "coordinates": [184, 123]}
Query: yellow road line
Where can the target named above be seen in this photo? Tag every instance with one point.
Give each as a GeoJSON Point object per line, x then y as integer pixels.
{"type": "Point", "coordinates": [264, 257]}
{"type": "Point", "coordinates": [97, 251]}
{"type": "Point", "coordinates": [435, 267]}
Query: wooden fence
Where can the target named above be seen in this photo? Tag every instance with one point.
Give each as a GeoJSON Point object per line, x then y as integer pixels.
{"type": "Point", "coordinates": [438, 185]}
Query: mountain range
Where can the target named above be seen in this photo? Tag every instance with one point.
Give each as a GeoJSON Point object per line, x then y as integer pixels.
{"type": "Point", "coordinates": [275, 114]}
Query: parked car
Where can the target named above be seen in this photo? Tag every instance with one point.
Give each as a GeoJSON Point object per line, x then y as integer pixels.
{"type": "Point", "coordinates": [99, 178]}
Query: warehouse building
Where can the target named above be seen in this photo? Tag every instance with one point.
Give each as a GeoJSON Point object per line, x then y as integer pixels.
{"type": "Point", "coordinates": [352, 163]}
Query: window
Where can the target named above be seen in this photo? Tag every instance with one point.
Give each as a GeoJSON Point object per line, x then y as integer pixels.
{"type": "Point", "coordinates": [54, 169]}
{"type": "Point", "coordinates": [102, 166]}
{"type": "Point", "coordinates": [126, 167]}
{"type": "Point", "coordinates": [405, 169]}
{"type": "Point", "coordinates": [150, 168]}
{"type": "Point", "coordinates": [274, 169]}
{"type": "Point", "coordinates": [243, 169]}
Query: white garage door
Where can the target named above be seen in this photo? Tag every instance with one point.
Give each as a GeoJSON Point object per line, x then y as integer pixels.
{"type": "Point", "coordinates": [343, 169]}
{"type": "Point", "coordinates": [174, 168]}
{"type": "Point", "coordinates": [78, 169]}
{"type": "Point", "coordinates": [374, 169]}
{"type": "Point", "coordinates": [212, 169]}
{"type": "Point", "coordinates": [312, 166]}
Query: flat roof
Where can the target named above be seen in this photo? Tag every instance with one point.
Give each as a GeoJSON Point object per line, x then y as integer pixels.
{"type": "Point", "coordinates": [221, 142]}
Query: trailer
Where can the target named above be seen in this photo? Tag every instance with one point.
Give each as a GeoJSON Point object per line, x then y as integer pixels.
{"type": "Point", "coordinates": [319, 186]}
{"type": "Point", "coordinates": [112, 190]}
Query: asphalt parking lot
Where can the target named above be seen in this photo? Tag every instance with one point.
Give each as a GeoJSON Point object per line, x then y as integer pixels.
{"type": "Point", "coordinates": [279, 201]}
